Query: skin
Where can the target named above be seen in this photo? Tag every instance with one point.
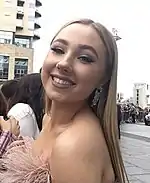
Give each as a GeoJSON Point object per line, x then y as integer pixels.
{"type": "Point", "coordinates": [72, 139]}
{"type": "Point", "coordinates": [11, 125]}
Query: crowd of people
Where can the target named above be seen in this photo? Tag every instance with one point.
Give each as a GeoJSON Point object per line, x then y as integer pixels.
{"type": "Point", "coordinates": [131, 113]}
{"type": "Point", "coordinates": [60, 125]}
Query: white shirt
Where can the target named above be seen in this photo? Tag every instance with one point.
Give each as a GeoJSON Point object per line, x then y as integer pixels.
{"type": "Point", "coordinates": [27, 120]}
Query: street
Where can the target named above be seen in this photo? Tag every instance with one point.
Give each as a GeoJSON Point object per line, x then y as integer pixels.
{"type": "Point", "coordinates": [136, 155]}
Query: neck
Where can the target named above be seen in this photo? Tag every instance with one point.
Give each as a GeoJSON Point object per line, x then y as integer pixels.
{"type": "Point", "coordinates": [62, 114]}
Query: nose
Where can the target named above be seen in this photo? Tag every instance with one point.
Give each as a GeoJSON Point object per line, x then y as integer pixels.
{"type": "Point", "coordinates": [65, 65]}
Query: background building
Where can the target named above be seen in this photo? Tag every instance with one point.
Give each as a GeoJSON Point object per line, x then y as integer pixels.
{"type": "Point", "coordinates": [19, 26]}
{"type": "Point", "coordinates": [141, 93]}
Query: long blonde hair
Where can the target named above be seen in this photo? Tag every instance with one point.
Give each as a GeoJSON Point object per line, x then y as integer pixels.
{"type": "Point", "coordinates": [106, 109]}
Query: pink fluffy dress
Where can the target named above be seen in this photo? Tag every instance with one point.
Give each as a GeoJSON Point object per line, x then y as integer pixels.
{"type": "Point", "coordinates": [19, 165]}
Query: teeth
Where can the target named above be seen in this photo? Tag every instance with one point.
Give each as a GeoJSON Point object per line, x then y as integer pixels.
{"type": "Point", "coordinates": [60, 81]}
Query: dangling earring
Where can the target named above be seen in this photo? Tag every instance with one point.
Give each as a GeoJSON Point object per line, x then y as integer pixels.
{"type": "Point", "coordinates": [96, 97]}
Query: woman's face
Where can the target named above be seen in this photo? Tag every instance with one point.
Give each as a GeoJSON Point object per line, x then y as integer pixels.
{"type": "Point", "coordinates": [75, 64]}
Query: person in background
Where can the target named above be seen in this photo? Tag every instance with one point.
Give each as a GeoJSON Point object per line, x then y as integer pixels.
{"type": "Point", "coordinates": [9, 88]}
{"type": "Point", "coordinates": [26, 105]}
{"type": "Point", "coordinates": [119, 116]}
{"type": "Point", "coordinates": [147, 118]}
{"type": "Point", "coordinates": [133, 113]}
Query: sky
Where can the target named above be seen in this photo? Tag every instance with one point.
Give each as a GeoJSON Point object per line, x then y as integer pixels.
{"type": "Point", "coordinates": [130, 17]}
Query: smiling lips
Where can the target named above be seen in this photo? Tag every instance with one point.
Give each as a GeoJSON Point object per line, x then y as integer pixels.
{"type": "Point", "coordinates": [62, 82]}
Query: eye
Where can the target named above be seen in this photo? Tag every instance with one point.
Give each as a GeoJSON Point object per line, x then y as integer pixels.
{"type": "Point", "coordinates": [86, 59]}
{"type": "Point", "coordinates": [57, 50]}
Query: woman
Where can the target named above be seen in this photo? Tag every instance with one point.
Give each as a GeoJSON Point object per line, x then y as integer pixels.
{"type": "Point", "coordinates": [119, 118]}
{"type": "Point", "coordinates": [26, 105]}
{"type": "Point", "coordinates": [79, 139]}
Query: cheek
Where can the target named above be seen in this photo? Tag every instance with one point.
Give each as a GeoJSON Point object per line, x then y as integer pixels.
{"type": "Point", "coordinates": [46, 68]}
{"type": "Point", "coordinates": [50, 60]}
{"type": "Point", "coordinates": [90, 77]}
{"type": "Point", "coordinates": [45, 74]}
{"type": "Point", "coordinates": [87, 84]}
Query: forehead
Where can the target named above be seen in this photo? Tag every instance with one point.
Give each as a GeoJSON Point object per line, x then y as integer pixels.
{"type": "Point", "coordinates": [81, 34]}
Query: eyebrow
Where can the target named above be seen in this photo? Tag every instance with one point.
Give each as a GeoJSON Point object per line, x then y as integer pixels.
{"type": "Point", "coordinates": [81, 46]}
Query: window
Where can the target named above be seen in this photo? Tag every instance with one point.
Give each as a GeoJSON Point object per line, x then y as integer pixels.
{"type": "Point", "coordinates": [6, 37]}
{"type": "Point", "coordinates": [20, 3]}
{"type": "Point", "coordinates": [5, 41]}
{"type": "Point", "coordinates": [21, 67]}
{"type": "Point", "coordinates": [19, 16]}
{"type": "Point", "coordinates": [22, 42]}
{"type": "Point", "coordinates": [4, 67]}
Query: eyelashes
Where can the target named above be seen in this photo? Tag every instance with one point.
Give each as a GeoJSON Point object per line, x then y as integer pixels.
{"type": "Point", "coordinates": [86, 59]}
{"type": "Point", "coordinates": [83, 58]}
{"type": "Point", "coordinates": [57, 50]}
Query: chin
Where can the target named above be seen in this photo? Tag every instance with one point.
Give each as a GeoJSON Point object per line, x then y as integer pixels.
{"type": "Point", "coordinates": [54, 96]}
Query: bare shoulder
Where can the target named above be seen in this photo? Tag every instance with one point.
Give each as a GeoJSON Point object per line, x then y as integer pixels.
{"type": "Point", "coordinates": [87, 128]}
{"type": "Point", "coordinates": [81, 150]}
{"type": "Point", "coordinates": [85, 135]}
